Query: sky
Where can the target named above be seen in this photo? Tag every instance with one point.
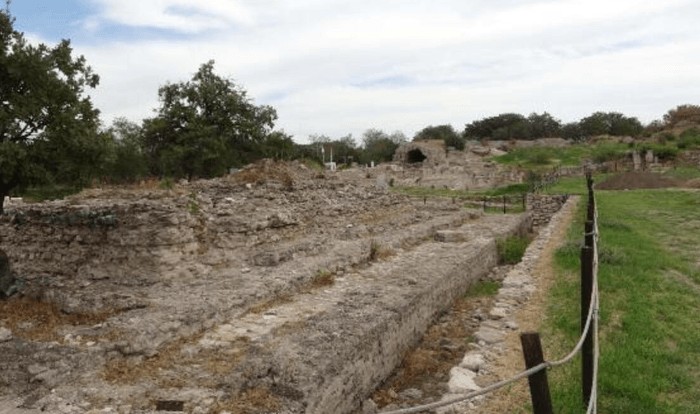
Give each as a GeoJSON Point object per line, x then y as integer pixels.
{"type": "Point", "coordinates": [338, 67]}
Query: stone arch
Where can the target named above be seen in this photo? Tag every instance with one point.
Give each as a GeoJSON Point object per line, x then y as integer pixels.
{"type": "Point", "coordinates": [415, 156]}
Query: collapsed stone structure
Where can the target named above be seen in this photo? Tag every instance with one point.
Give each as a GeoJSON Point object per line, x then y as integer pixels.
{"type": "Point", "coordinates": [431, 164]}
{"type": "Point", "coordinates": [421, 153]}
{"type": "Point", "coordinates": [276, 289]}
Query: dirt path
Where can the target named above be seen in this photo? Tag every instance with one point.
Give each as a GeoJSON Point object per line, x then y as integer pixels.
{"type": "Point", "coordinates": [529, 317]}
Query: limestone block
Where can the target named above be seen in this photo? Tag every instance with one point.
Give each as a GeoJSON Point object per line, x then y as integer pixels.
{"type": "Point", "coordinates": [462, 380]}
{"type": "Point", "coordinates": [5, 334]}
{"type": "Point", "coordinates": [450, 236]}
{"type": "Point", "coordinates": [473, 362]}
{"type": "Point", "coordinates": [489, 335]}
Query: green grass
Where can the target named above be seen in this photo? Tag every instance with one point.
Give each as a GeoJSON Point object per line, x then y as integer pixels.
{"type": "Point", "coordinates": [512, 189]}
{"type": "Point", "coordinates": [511, 249]}
{"type": "Point", "coordinates": [683, 173]}
{"type": "Point", "coordinates": [650, 297]}
{"type": "Point", "coordinates": [483, 288]}
{"type": "Point", "coordinates": [543, 157]}
{"type": "Point", "coordinates": [474, 198]}
{"type": "Point", "coordinates": [48, 192]}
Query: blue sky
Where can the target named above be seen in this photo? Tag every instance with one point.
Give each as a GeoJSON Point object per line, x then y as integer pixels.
{"type": "Point", "coordinates": [338, 66]}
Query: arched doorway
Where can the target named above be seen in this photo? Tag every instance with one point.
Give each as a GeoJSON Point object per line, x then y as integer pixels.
{"type": "Point", "coordinates": [415, 156]}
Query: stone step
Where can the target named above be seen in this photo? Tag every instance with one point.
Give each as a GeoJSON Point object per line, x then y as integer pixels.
{"type": "Point", "coordinates": [327, 349]}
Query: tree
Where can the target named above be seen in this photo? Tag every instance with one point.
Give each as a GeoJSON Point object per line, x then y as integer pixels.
{"type": "Point", "coordinates": [278, 145]}
{"type": "Point", "coordinates": [610, 123]}
{"type": "Point", "coordinates": [543, 126]}
{"type": "Point", "coordinates": [689, 114]}
{"type": "Point", "coordinates": [444, 132]}
{"type": "Point", "coordinates": [503, 126]}
{"type": "Point", "coordinates": [205, 126]}
{"type": "Point", "coordinates": [572, 131]}
{"type": "Point", "coordinates": [379, 146]}
{"type": "Point", "coordinates": [595, 124]}
{"type": "Point", "coordinates": [127, 160]}
{"type": "Point", "coordinates": [48, 127]}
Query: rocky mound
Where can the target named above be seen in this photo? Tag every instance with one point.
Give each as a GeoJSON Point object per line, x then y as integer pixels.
{"type": "Point", "coordinates": [635, 180]}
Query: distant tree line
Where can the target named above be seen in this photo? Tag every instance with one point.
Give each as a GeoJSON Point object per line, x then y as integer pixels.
{"type": "Point", "coordinates": [51, 134]}
{"type": "Point", "coordinates": [515, 126]}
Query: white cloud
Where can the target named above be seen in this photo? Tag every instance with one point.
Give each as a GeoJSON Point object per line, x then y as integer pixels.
{"type": "Point", "coordinates": [338, 67]}
{"type": "Point", "coordinates": [190, 16]}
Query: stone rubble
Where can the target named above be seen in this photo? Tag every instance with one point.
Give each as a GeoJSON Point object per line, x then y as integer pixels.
{"type": "Point", "coordinates": [516, 289]}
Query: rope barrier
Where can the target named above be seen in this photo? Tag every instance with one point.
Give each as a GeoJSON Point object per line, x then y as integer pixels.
{"type": "Point", "coordinates": [591, 320]}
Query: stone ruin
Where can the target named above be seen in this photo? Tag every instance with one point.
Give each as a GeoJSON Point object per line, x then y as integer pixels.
{"type": "Point", "coordinates": [431, 164]}
{"type": "Point", "coordinates": [421, 153]}
{"type": "Point", "coordinates": [277, 289]}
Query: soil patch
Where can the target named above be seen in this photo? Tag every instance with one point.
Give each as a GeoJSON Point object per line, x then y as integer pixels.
{"type": "Point", "coordinates": [634, 180]}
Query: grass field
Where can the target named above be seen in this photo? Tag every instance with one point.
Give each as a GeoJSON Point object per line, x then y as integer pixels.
{"type": "Point", "coordinates": [650, 300]}
{"type": "Point", "coordinates": [543, 157]}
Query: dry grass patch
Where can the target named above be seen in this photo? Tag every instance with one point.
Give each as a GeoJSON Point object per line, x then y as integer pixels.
{"type": "Point", "coordinates": [377, 251]}
{"type": "Point", "coordinates": [42, 321]}
{"type": "Point", "coordinates": [256, 400]}
{"type": "Point", "coordinates": [268, 304]}
{"type": "Point", "coordinates": [169, 367]}
{"type": "Point", "coordinates": [322, 278]}
{"type": "Point", "coordinates": [441, 348]}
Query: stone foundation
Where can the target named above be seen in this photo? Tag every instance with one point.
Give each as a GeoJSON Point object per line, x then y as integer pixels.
{"type": "Point", "coordinates": [543, 207]}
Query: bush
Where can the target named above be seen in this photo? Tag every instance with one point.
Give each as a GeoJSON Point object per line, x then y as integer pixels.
{"type": "Point", "coordinates": [689, 139]}
{"type": "Point", "coordinates": [603, 153]}
{"type": "Point", "coordinates": [511, 249]}
{"type": "Point", "coordinates": [663, 152]}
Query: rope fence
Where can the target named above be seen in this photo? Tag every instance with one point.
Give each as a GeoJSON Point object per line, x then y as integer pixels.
{"type": "Point", "coordinates": [587, 343]}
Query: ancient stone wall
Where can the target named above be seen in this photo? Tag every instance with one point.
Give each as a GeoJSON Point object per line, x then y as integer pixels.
{"type": "Point", "coordinates": [433, 151]}
{"type": "Point", "coordinates": [691, 157]}
{"type": "Point", "coordinates": [543, 207]}
{"type": "Point", "coordinates": [130, 241]}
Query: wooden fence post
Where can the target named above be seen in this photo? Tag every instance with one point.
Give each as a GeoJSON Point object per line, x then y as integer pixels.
{"type": "Point", "coordinates": [539, 387]}
{"type": "Point", "coordinates": [589, 236]}
{"type": "Point", "coordinates": [587, 350]}
{"type": "Point", "coordinates": [504, 204]}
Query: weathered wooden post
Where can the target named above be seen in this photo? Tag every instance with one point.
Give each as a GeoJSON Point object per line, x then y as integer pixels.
{"type": "Point", "coordinates": [587, 350]}
{"type": "Point", "coordinates": [539, 386]}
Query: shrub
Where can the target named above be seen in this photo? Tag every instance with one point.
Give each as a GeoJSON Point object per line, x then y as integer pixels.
{"type": "Point", "coordinates": [483, 288]}
{"type": "Point", "coordinates": [511, 249]}
{"type": "Point", "coordinates": [690, 138]}
{"type": "Point", "coordinates": [166, 183]}
{"type": "Point", "coordinates": [377, 251]}
{"type": "Point", "coordinates": [664, 152]}
{"type": "Point", "coordinates": [603, 153]}
{"type": "Point", "coordinates": [322, 278]}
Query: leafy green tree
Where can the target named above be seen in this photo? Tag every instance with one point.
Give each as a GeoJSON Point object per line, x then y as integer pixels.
{"type": "Point", "coordinates": [572, 131]}
{"type": "Point", "coordinates": [379, 146]}
{"type": "Point", "coordinates": [48, 127]}
{"type": "Point", "coordinates": [127, 161]}
{"type": "Point", "coordinates": [205, 126]}
{"type": "Point", "coordinates": [543, 126]}
{"type": "Point", "coordinates": [345, 149]}
{"type": "Point", "coordinates": [444, 132]}
{"type": "Point", "coordinates": [278, 145]}
{"type": "Point", "coordinates": [503, 126]}
{"type": "Point", "coordinates": [610, 123]}
{"type": "Point", "coordinates": [595, 124]}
